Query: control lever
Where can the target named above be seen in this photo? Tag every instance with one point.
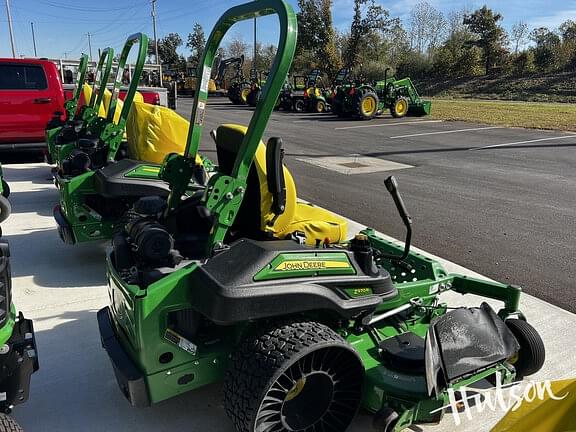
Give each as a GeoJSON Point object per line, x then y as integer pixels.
{"type": "Point", "coordinates": [392, 186]}
{"type": "Point", "coordinates": [275, 176]}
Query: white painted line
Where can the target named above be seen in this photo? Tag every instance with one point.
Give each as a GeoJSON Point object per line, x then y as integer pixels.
{"type": "Point", "coordinates": [389, 124]}
{"type": "Point", "coordinates": [447, 132]}
{"type": "Point", "coordinates": [524, 142]}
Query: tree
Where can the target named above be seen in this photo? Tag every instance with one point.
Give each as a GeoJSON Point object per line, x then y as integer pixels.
{"type": "Point", "coordinates": [490, 36]}
{"type": "Point", "coordinates": [196, 43]}
{"type": "Point", "coordinates": [427, 27]}
{"type": "Point", "coordinates": [369, 18]}
{"type": "Point", "coordinates": [520, 32]}
{"type": "Point", "coordinates": [546, 51]}
{"type": "Point", "coordinates": [316, 35]}
{"type": "Point", "coordinates": [167, 47]}
{"type": "Point", "coordinates": [237, 47]}
{"type": "Point", "coordinates": [568, 31]}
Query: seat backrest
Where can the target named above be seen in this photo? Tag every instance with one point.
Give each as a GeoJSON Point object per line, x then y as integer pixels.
{"type": "Point", "coordinates": [255, 213]}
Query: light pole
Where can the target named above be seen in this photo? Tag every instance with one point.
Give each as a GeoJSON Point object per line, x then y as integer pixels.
{"type": "Point", "coordinates": [10, 28]}
{"type": "Point", "coordinates": [89, 44]}
{"type": "Point", "coordinates": [154, 29]}
{"type": "Point", "coordinates": [34, 39]}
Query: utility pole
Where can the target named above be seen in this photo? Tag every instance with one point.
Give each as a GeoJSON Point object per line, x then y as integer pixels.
{"type": "Point", "coordinates": [34, 39]}
{"type": "Point", "coordinates": [89, 44]}
{"type": "Point", "coordinates": [10, 28]}
{"type": "Point", "coordinates": [154, 28]}
{"type": "Point", "coordinates": [255, 50]}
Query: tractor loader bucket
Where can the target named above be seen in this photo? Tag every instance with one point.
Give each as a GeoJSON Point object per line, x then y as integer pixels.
{"type": "Point", "coordinates": [420, 109]}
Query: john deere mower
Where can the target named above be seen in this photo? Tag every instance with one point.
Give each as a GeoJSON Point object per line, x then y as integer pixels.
{"type": "Point", "coordinates": [18, 355]}
{"type": "Point", "coordinates": [64, 140]}
{"type": "Point", "coordinates": [258, 81]}
{"type": "Point", "coordinates": [247, 285]}
{"type": "Point", "coordinates": [96, 190]}
{"type": "Point", "coordinates": [366, 101]}
{"type": "Point", "coordinates": [55, 129]}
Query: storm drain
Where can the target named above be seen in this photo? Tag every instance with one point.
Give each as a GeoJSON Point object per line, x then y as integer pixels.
{"type": "Point", "coordinates": [354, 164]}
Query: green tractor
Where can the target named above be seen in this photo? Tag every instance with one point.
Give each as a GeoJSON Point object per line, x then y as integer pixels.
{"type": "Point", "coordinates": [18, 353]}
{"type": "Point", "coordinates": [307, 94]}
{"type": "Point", "coordinates": [247, 285]}
{"type": "Point", "coordinates": [258, 81]}
{"type": "Point", "coordinates": [95, 188]}
{"type": "Point", "coordinates": [57, 130]}
{"type": "Point", "coordinates": [239, 88]}
{"type": "Point", "coordinates": [366, 101]}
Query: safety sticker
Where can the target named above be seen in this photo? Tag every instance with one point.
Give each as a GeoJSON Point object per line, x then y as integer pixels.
{"type": "Point", "coordinates": [180, 341]}
{"type": "Point", "coordinates": [200, 111]}
{"type": "Point", "coordinates": [205, 79]}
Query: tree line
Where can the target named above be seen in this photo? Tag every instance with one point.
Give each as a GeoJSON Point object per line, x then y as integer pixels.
{"type": "Point", "coordinates": [462, 43]}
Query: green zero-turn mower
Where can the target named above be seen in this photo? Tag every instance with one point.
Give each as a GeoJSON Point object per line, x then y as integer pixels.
{"type": "Point", "coordinates": [54, 130]}
{"type": "Point", "coordinates": [306, 94]}
{"type": "Point", "coordinates": [95, 188]}
{"type": "Point", "coordinates": [63, 141]}
{"type": "Point", "coordinates": [366, 101]}
{"type": "Point", "coordinates": [246, 285]}
{"type": "Point", "coordinates": [18, 354]}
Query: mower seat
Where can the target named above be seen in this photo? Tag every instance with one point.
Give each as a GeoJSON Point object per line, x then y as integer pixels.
{"type": "Point", "coordinates": [112, 182]}
{"type": "Point", "coordinates": [255, 218]}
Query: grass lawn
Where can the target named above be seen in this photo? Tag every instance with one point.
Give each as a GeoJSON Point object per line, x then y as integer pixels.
{"type": "Point", "coordinates": [514, 114]}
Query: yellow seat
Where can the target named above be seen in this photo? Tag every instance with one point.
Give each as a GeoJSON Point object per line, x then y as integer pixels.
{"type": "Point", "coordinates": [255, 214]}
{"type": "Point", "coordinates": [155, 131]}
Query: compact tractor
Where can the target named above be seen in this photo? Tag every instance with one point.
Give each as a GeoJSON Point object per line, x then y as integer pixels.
{"type": "Point", "coordinates": [258, 81]}
{"type": "Point", "coordinates": [368, 100]}
{"type": "Point", "coordinates": [307, 94]}
{"type": "Point", "coordinates": [18, 353]}
{"type": "Point", "coordinates": [241, 282]}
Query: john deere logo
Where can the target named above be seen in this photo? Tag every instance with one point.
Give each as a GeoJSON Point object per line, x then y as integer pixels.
{"type": "Point", "coordinates": [310, 265]}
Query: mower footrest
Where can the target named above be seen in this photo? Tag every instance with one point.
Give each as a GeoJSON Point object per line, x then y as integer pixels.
{"type": "Point", "coordinates": [128, 376]}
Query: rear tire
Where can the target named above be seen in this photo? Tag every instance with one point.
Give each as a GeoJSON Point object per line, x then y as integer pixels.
{"type": "Point", "coordinates": [300, 376]}
{"type": "Point", "coordinates": [8, 424]}
{"type": "Point", "coordinates": [320, 106]}
{"type": "Point", "coordinates": [532, 351]}
{"type": "Point", "coordinates": [367, 105]}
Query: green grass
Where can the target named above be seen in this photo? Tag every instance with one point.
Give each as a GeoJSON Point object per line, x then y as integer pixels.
{"type": "Point", "coordinates": [554, 116]}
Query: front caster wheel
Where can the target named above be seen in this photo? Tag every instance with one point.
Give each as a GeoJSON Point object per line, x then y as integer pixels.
{"type": "Point", "coordinates": [385, 420]}
{"type": "Point", "coordinates": [300, 376]}
{"type": "Point", "coordinates": [532, 354]}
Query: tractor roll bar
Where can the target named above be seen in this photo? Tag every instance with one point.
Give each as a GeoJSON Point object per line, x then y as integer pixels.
{"type": "Point", "coordinates": [101, 78]}
{"type": "Point", "coordinates": [271, 91]}
{"type": "Point", "coordinates": [142, 41]}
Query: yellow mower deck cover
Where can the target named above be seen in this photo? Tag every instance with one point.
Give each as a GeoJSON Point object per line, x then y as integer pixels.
{"type": "Point", "coordinates": [546, 415]}
{"type": "Point", "coordinates": [103, 110]}
{"type": "Point", "coordinates": [315, 222]}
{"type": "Point", "coordinates": [155, 131]}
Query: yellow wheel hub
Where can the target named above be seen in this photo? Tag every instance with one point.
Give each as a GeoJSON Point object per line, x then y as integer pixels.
{"type": "Point", "coordinates": [369, 105]}
{"type": "Point", "coordinates": [401, 107]}
{"type": "Point", "coordinates": [297, 389]}
{"type": "Point", "coordinates": [244, 94]}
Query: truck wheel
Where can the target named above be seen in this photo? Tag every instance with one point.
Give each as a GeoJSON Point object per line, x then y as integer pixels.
{"type": "Point", "coordinates": [299, 105]}
{"type": "Point", "coordinates": [8, 424]}
{"type": "Point", "coordinates": [367, 105]}
{"type": "Point", "coordinates": [532, 354]}
{"type": "Point", "coordinates": [294, 377]}
{"type": "Point", "coordinates": [400, 108]}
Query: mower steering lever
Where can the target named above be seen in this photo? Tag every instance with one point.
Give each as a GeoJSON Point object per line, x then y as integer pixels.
{"type": "Point", "coordinates": [392, 186]}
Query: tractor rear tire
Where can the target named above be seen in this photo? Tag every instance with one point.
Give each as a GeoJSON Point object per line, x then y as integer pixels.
{"type": "Point", "coordinates": [367, 105]}
{"type": "Point", "coordinates": [532, 351]}
{"type": "Point", "coordinates": [8, 424]}
{"type": "Point", "coordinates": [293, 377]}
{"type": "Point", "coordinates": [400, 107]}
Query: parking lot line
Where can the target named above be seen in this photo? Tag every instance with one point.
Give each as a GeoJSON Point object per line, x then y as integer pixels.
{"type": "Point", "coordinates": [524, 142]}
{"type": "Point", "coordinates": [389, 124]}
{"type": "Point", "coordinates": [447, 132]}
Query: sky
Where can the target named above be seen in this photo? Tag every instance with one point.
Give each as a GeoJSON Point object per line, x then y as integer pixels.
{"type": "Point", "coordinates": [61, 26]}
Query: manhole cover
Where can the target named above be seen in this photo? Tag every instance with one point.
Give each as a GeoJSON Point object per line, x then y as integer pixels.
{"type": "Point", "coordinates": [353, 165]}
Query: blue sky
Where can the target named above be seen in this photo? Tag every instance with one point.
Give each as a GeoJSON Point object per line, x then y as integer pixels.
{"type": "Point", "coordinates": [61, 25]}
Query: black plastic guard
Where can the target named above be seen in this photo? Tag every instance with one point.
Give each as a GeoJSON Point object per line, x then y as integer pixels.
{"type": "Point", "coordinates": [18, 364]}
{"type": "Point", "coordinates": [463, 342]}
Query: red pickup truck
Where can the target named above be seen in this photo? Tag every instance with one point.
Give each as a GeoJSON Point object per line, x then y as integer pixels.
{"type": "Point", "coordinates": [31, 95]}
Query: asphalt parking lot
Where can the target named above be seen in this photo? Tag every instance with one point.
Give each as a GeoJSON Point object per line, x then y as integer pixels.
{"type": "Point", "coordinates": [455, 195]}
{"type": "Point", "coordinates": [497, 200]}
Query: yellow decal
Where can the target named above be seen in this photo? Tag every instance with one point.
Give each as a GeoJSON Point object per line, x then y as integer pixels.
{"type": "Point", "coordinates": [151, 169]}
{"type": "Point", "coordinates": [311, 265]}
